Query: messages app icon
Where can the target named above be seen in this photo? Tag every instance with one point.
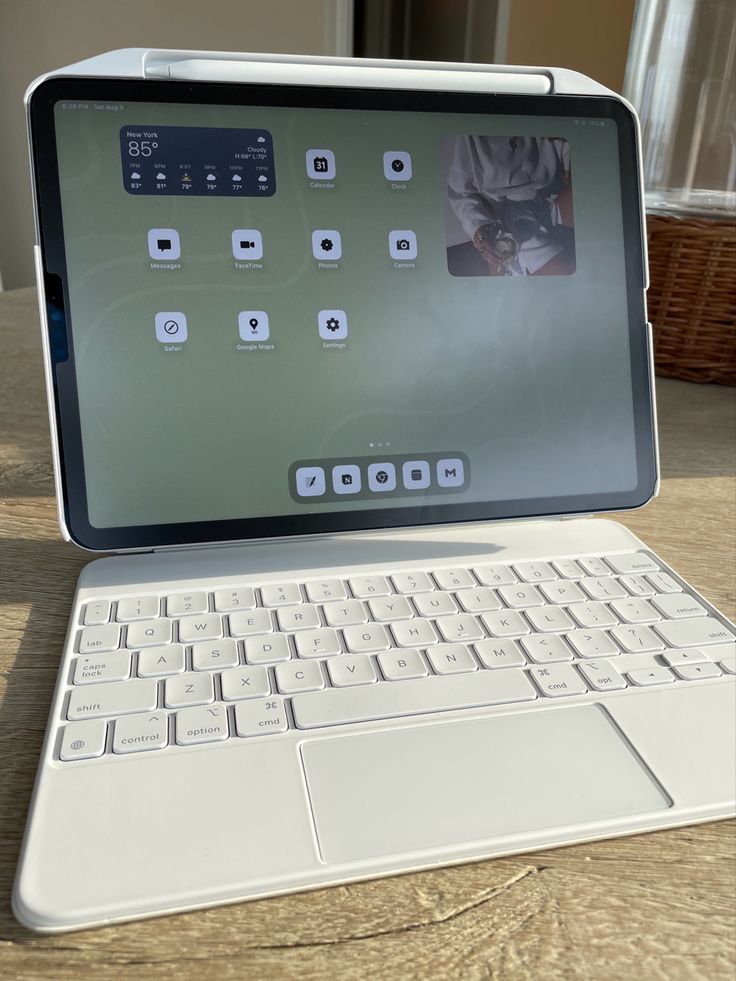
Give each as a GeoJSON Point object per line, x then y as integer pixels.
{"type": "Point", "coordinates": [163, 243]}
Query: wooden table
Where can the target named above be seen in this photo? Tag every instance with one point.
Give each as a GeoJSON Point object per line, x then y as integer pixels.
{"type": "Point", "coordinates": [653, 906]}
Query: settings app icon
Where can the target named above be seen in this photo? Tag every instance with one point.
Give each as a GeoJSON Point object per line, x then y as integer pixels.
{"type": "Point", "coordinates": [333, 325]}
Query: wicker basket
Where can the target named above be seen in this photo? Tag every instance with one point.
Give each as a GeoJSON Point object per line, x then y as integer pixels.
{"type": "Point", "coordinates": [692, 297]}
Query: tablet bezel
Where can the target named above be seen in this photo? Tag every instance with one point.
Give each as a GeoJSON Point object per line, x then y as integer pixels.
{"type": "Point", "coordinates": [59, 340]}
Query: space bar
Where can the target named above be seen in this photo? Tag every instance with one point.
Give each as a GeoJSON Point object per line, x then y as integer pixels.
{"type": "Point", "coordinates": [391, 699]}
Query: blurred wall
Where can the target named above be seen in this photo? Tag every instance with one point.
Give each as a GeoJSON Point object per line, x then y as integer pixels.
{"type": "Point", "coordinates": [38, 35]}
{"type": "Point", "coordinates": [591, 36]}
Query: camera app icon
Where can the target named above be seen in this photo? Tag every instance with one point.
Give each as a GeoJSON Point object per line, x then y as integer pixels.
{"type": "Point", "coordinates": [397, 165]}
{"type": "Point", "coordinates": [402, 244]}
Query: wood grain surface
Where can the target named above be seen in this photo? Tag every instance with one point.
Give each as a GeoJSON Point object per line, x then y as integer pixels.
{"type": "Point", "coordinates": [658, 906]}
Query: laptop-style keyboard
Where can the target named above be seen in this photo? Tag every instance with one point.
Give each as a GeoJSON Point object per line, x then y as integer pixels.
{"type": "Point", "coordinates": [155, 672]}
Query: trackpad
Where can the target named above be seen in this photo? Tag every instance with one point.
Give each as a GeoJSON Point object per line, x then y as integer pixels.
{"type": "Point", "coordinates": [429, 786]}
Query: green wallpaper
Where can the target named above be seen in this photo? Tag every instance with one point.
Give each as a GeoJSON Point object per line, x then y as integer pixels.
{"type": "Point", "coordinates": [527, 376]}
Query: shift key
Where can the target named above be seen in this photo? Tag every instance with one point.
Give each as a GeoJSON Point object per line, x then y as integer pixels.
{"type": "Point", "coordinates": [121, 698]}
{"type": "Point", "coordinates": [693, 632]}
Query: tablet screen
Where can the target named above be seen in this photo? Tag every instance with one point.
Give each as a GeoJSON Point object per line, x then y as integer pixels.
{"type": "Point", "coordinates": [384, 309]}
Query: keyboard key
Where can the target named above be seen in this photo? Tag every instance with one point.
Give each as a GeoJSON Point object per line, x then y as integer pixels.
{"type": "Point", "coordinates": [461, 627]}
{"type": "Point", "coordinates": [326, 589]}
{"type": "Point", "coordinates": [499, 654]}
{"type": "Point", "coordinates": [651, 676]}
{"type": "Point", "coordinates": [604, 588]}
{"type": "Point", "coordinates": [205, 627]}
{"type": "Point", "coordinates": [544, 649]}
{"type": "Point", "coordinates": [262, 716]}
{"type": "Point", "coordinates": [343, 614]}
{"type": "Point", "coordinates": [453, 578]}
{"type": "Point", "coordinates": [137, 608]}
{"type": "Point", "coordinates": [268, 648]}
{"type": "Point", "coordinates": [304, 617]}
{"type": "Point", "coordinates": [92, 669]}
{"type": "Point", "coordinates": [232, 600]}
{"type": "Point", "coordinates": [157, 662]}
{"type": "Point", "coordinates": [297, 676]}
{"type": "Point", "coordinates": [414, 633]}
{"type": "Point", "coordinates": [693, 633]}
{"type": "Point", "coordinates": [366, 638]}
{"type": "Point", "coordinates": [594, 566]}
{"type": "Point", "coordinates": [114, 698]}
{"type": "Point", "coordinates": [138, 733]}
{"type": "Point", "coordinates": [182, 604]}
{"type": "Point", "coordinates": [387, 608]}
{"type": "Point", "coordinates": [237, 683]}
{"type": "Point", "coordinates": [411, 582]}
{"type": "Point", "coordinates": [637, 585]}
{"type": "Point", "coordinates": [521, 596]}
{"type": "Point", "coordinates": [602, 676]}
{"type": "Point", "coordinates": [505, 623]}
{"type": "Point", "coordinates": [664, 583]}
{"type": "Point", "coordinates": [534, 571]}
{"type": "Point", "coordinates": [201, 725]}
{"type": "Point", "coordinates": [679, 606]}
{"type": "Point", "coordinates": [593, 615]}
{"type": "Point", "coordinates": [99, 640]}
{"type": "Point", "coordinates": [148, 633]}
{"type": "Point", "coordinates": [221, 654]}
{"type": "Point", "coordinates": [451, 659]}
{"type": "Point", "coordinates": [438, 693]}
{"type": "Point", "coordinates": [562, 592]}
{"type": "Point", "coordinates": [635, 562]}
{"type": "Point", "coordinates": [557, 680]}
{"type": "Point", "coordinates": [351, 669]}
{"type": "Point", "coordinates": [568, 568]}
{"type": "Point", "coordinates": [478, 600]}
{"type": "Point", "coordinates": [317, 643]}
{"type": "Point", "coordinates": [251, 623]}
{"type": "Point", "coordinates": [494, 575]}
{"type": "Point", "coordinates": [636, 639]}
{"type": "Point", "coordinates": [691, 656]}
{"type": "Point", "coordinates": [95, 613]}
{"type": "Point", "coordinates": [365, 586]}
{"type": "Point", "coordinates": [285, 594]}
{"type": "Point", "coordinates": [635, 610]}
{"type": "Point", "coordinates": [694, 672]}
{"type": "Point", "coordinates": [189, 689]}
{"type": "Point", "coordinates": [592, 643]}
{"type": "Point", "coordinates": [548, 619]}
{"type": "Point", "coordinates": [83, 740]}
{"type": "Point", "coordinates": [400, 665]}
{"type": "Point", "coordinates": [435, 604]}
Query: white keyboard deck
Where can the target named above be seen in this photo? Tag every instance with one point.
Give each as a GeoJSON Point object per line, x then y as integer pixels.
{"type": "Point", "coordinates": [154, 672]}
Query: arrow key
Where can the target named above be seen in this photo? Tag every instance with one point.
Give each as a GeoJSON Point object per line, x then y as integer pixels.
{"type": "Point", "coordinates": [651, 676]}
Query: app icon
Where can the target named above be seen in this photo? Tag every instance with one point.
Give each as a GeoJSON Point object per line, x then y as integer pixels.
{"type": "Point", "coordinates": [163, 243]}
{"type": "Point", "coordinates": [450, 473]}
{"type": "Point", "coordinates": [346, 479]}
{"type": "Point", "coordinates": [402, 244]}
{"type": "Point", "coordinates": [397, 165]}
{"type": "Point", "coordinates": [333, 325]}
{"type": "Point", "coordinates": [415, 474]}
{"type": "Point", "coordinates": [247, 244]}
{"type": "Point", "coordinates": [326, 244]}
{"type": "Point", "coordinates": [253, 325]}
{"type": "Point", "coordinates": [321, 165]}
{"type": "Point", "coordinates": [171, 328]}
{"type": "Point", "coordinates": [381, 477]}
{"type": "Point", "coordinates": [310, 481]}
